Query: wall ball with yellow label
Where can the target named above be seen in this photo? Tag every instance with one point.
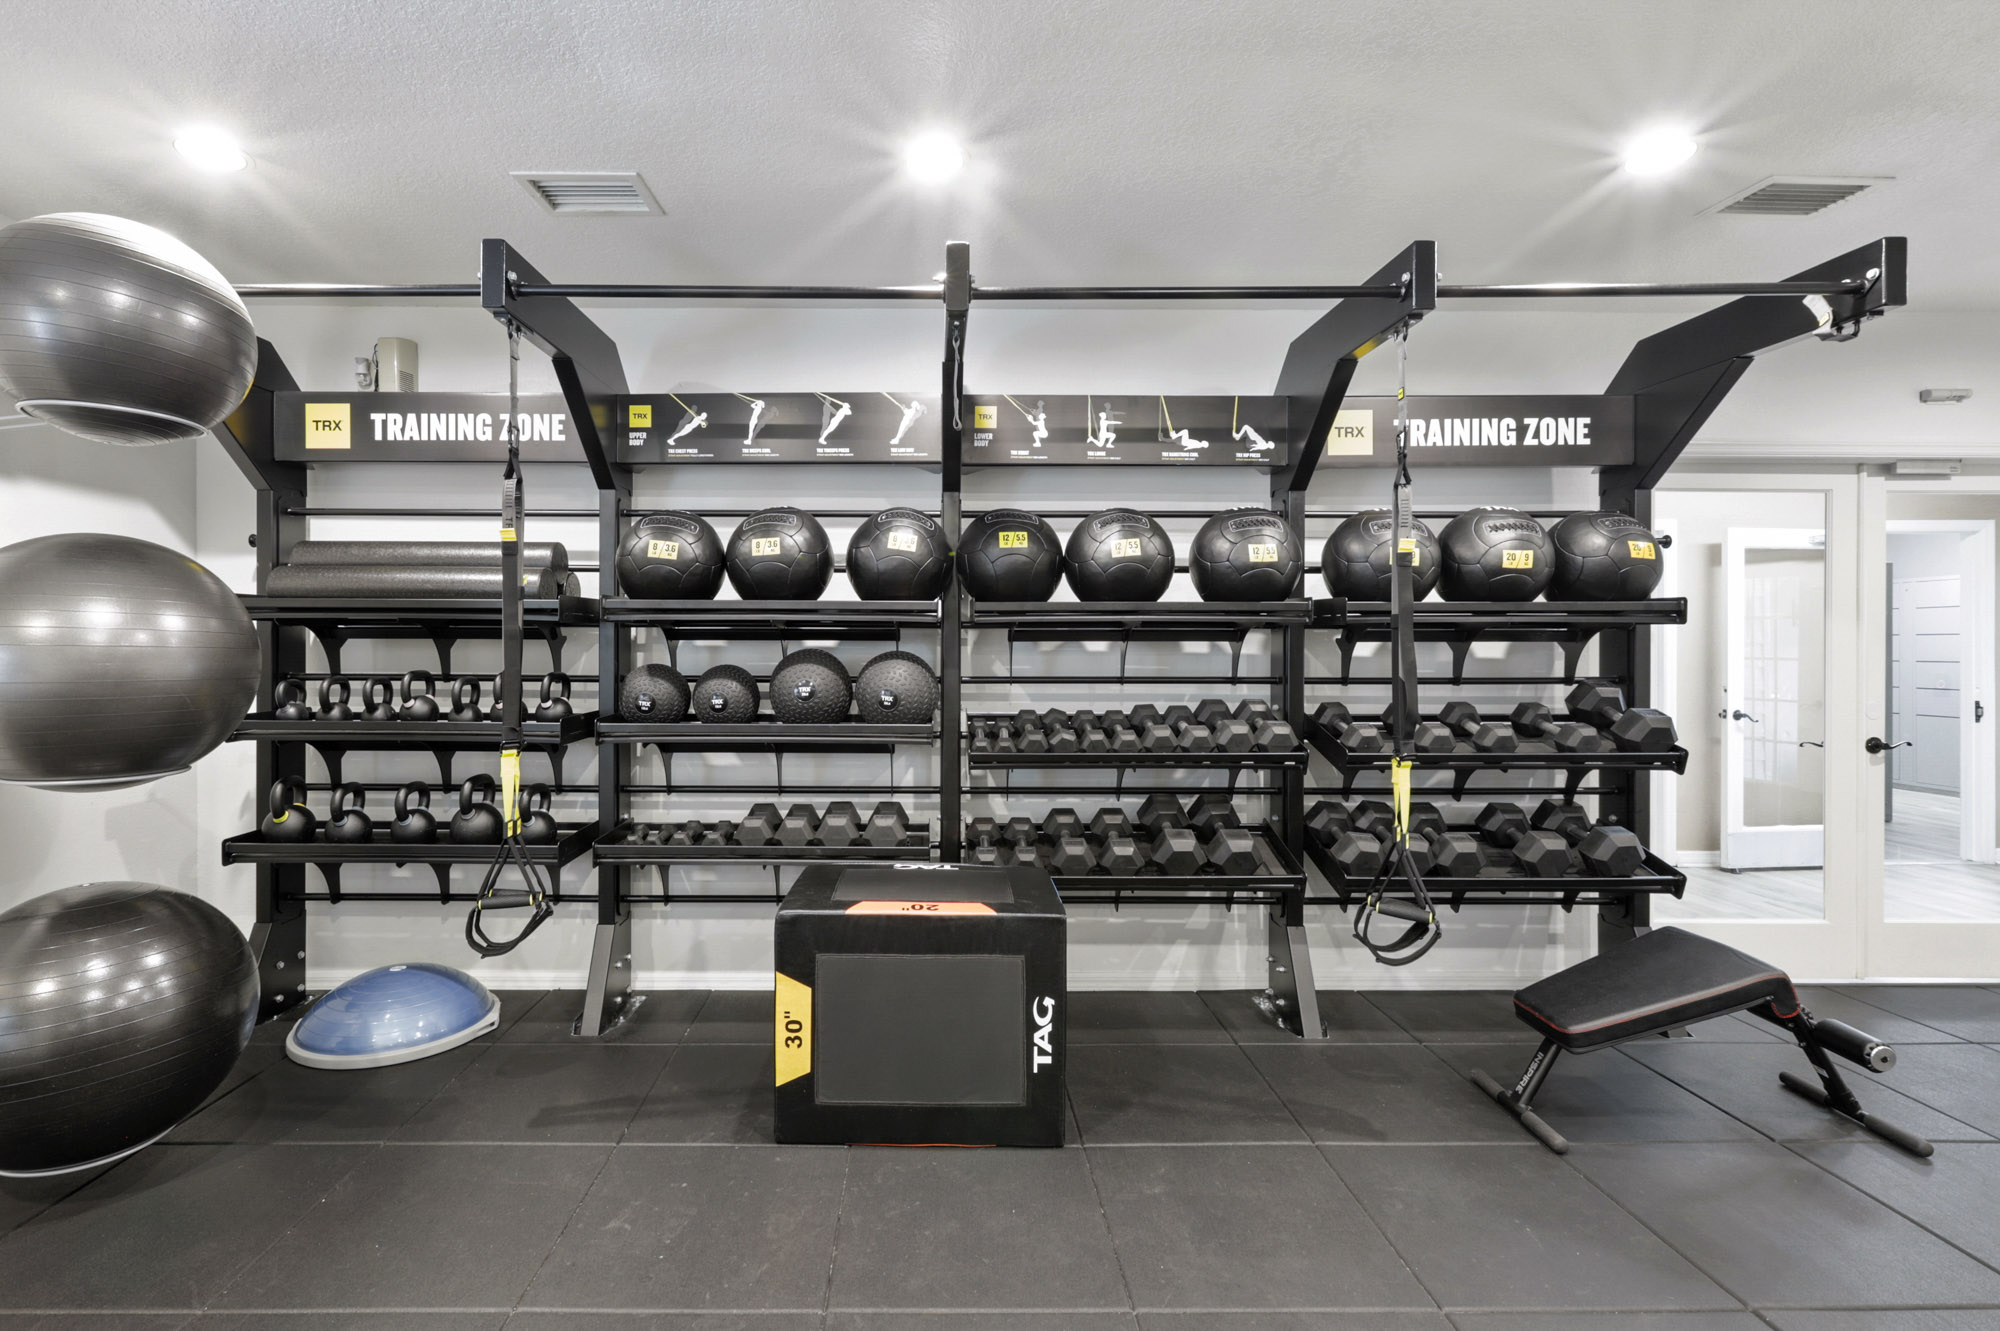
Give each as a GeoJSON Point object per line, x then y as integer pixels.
{"type": "Point", "coordinates": [898, 555]}
{"type": "Point", "coordinates": [1604, 557]}
{"type": "Point", "coordinates": [1119, 554]}
{"type": "Point", "coordinates": [1495, 554]}
{"type": "Point", "coordinates": [670, 557]}
{"type": "Point", "coordinates": [1358, 557]}
{"type": "Point", "coordinates": [1009, 554]}
{"type": "Point", "coordinates": [1246, 554]}
{"type": "Point", "coordinates": [780, 554]}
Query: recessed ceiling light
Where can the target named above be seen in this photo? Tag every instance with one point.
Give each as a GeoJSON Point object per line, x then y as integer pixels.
{"type": "Point", "coordinates": [934, 156]}
{"type": "Point", "coordinates": [210, 149]}
{"type": "Point", "coordinates": [1658, 151]}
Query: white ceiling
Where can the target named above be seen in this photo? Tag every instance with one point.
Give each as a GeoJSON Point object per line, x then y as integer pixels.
{"type": "Point", "coordinates": [1171, 141]}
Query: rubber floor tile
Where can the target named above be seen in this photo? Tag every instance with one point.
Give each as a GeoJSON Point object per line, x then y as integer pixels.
{"type": "Point", "coordinates": [1962, 1080]}
{"type": "Point", "coordinates": [1854, 1006]}
{"type": "Point", "coordinates": [1466, 1016]}
{"type": "Point", "coordinates": [1967, 1011]}
{"type": "Point", "coordinates": [661, 1017]}
{"type": "Point", "coordinates": [541, 1093]}
{"type": "Point", "coordinates": [1902, 1319]}
{"type": "Point", "coordinates": [732, 1321]}
{"type": "Point", "coordinates": [708, 1093]}
{"type": "Point", "coordinates": [937, 1320]}
{"type": "Point", "coordinates": [1955, 1194]}
{"type": "Point", "coordinates": [182, 1220]}
{"type": "Point", "coordinates": [994, 1229]}
{"type": "Point", "coordinates": [1608, 1321]}
{"type": "Point", "coordinates": [1244, 1227]}
{"type": "Point", "coordinates": [686, 1228]}
{"type": "Point", "coordinates": [1128, 1094]}
{"type": "Point", "coordinates": [268, 1320]}
{"type": "Point", "coordinates": [1382, 1093]}
{"type": "Point", "coordinates": [1344, 1016]}
{"type": "Point", "coordinates": [1489, 1227]}
{"type": "Point", "coordinates": [1142, 1018]}
{"type": "Point", "coordinates": [293, 1103]}
{"type": "Point", "coordinates": [1605, 1097]}
{"type": "Point", "coordinates": [413, 1227]}
{"type": "Point", "coordinates": [733, 1016]}
{"type": "Point", "coordinates": [1774, 1229]}
{"type": "Point", "coordinates": [1330, 1320]}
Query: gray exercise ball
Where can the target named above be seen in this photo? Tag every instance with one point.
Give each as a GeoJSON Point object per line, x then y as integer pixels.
{"type": "Point", "coordinates": [122, 1007]}
{"type": "Point", "coordinates": [120, 661]}
{"type": "Point", "coordinates": [115, 331]}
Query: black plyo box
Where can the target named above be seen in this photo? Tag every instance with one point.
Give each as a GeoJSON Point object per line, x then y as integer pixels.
{"type": "Point", "coordinates": [921, 1003]}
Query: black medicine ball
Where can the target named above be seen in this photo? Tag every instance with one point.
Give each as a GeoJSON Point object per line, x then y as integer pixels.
{"type": "Point", "coordinates": [896, 688]}
{"type": "Point", "coordinates": [1119, 555]}
{"type": "Point", "coordinates": [671, 557]}
{"type": "Point", "coordinates": [1359, 555]}
{"type": "Point", "coordinates": [1604, 557]}
{"type": "Point", "coordinates": [725, 695]}
{"type": "Point", "coordinates": [1009, 555]}
{"type": "Point", "coordinates": [655, 693]}
{"type": "Point", "coordinates": [1247, 555]}
{"type": "Point", "coordinates": [898, 555]}
{"type": "Point", "coordinates": [780, 554]}
{"type": "Point", "coordinates": [1495, 554]}
{"type": "Point", "coordinates": [811, 688]}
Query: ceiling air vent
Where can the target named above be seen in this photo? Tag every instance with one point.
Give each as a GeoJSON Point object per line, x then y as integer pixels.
{"type": "Point", "coordinates": [1795, 196]}
{"type": "Point", "coordinates": [590, 191]}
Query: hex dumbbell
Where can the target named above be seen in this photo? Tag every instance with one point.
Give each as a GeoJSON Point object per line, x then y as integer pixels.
{"type": "Point", "coordinates": [1463, 719]}
{"type": "Point", "coordinates": [1177, 852]}
{"type": "Point", "coordinates": [1539, 853]}
{"type": "Point", "coordinates": [1160, 812]}
{"type": "Point", "coordinates": [800, 827]}
{"type": "Point", "coordinates": [1637, 729]}
{"type": "Point", "coordinates": [1535, 719]}
{"type": "Point", "coordinates": [759, 827]}
{"type": "Point", "coordinates": [1349, 734]}
{"type": "Point", "coordinates": [1607, 850]}
{"type": "Point", "coordinates": [840, 824]}
{"type": "Point", "coordinates": [889, 825]}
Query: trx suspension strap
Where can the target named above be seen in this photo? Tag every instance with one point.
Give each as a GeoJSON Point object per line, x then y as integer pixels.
{"type": "Point", "coordinates": [1398, 872]}
{"type": "Point", "coordinates": [533, 895]}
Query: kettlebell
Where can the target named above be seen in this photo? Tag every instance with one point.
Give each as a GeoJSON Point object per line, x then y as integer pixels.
{"type": "Point", "coordinates": [420, 706]}
{"type": "Point", "coordinates": [477, 821]}
{"type": "Point", "coordinates": [414, 825]}
{"type": "Point", "coordinates": [465, 701]}
{"type": "Point", "coordinates": [538, 825]}
{"type": "Point", "coordinates": [333, 695]}
{"type": "Point", "coordinates": [345, 822]}
{"type": "Point", "coordinates": [555, 697]}
{"type": "Point", "coordinates": [379, 693]}
{"type": "Point", "coordinates": [288, 701]}
{"type": "Point", "coordinates": [287, 818]}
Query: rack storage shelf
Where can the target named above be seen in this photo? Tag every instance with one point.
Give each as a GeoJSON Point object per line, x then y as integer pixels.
{"type": "Point", "coordinates": [1465, 761]}
{"type": "Point", "coordinates": [1279, 876]}
{"type": "Point", "coordinates": [329, 857]}
{"type": "Point", "coordinates": [1505, 885]}
{"type": "Point", "coordinates": [337, 620]}
{"type": "Point", "coordinates": [1571, 625]}
{"type": "Point", "coordinates": [776, 619]}
{"type": "Point", "coordinates": [765, 736]}
{"type": "Point", "coordinates": [333, 740]}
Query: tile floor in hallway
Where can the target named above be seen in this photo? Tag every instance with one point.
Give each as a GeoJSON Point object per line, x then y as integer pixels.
{"type": "Point", "coordinates": [1220, 1175]}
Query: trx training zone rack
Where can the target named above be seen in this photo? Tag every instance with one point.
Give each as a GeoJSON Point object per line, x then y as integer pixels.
{"type": "Point", "coordinates": [1675, 379]}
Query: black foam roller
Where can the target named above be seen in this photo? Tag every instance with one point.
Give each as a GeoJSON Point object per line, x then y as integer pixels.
{"type": "Point", "coordinates": [426, 554]}
{"type": "Point", "coordinates": [397, 582]}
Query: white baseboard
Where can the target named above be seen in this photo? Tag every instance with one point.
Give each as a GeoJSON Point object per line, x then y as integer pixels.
{"type": "Point", "coordinates": [1697, 859]}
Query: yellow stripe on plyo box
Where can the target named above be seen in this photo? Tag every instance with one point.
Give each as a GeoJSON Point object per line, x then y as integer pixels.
{"type": "Point", "coordinates": [792, 1013]}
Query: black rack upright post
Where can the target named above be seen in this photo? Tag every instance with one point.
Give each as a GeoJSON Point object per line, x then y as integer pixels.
{"type": "Point", "coordinates": [592, 378]}
{"type": "Point", "coordinates": [951, 646]}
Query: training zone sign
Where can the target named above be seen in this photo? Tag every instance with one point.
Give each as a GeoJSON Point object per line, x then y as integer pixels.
{"type": "Point", "coordinates": [1538, 431]}
{"type": "Point", "coordinates": [420, 427]}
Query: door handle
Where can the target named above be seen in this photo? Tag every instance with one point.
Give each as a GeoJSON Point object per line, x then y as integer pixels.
{"type": "Point", "coordinates": [1741, 715]}
{"type": "Point", "coordinates": [1875, 745]}
{"type": "Point", "coordinates": [1811, 744]}
{"type": "Point", "coordinates": [1978, 712]}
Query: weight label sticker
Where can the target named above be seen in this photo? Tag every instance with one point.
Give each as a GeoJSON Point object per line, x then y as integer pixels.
{"type": "Point", "coordinates": [901, 540]}
{"type": "Point", "coordinates": [765, 545]}
{"type": "Point", "coordinates": [327, 425]}
{"type": "Point", "coordinates": [1263, 554]}
{"type": "Point", "coordinates": [1517, 559]}
{"type": "Point", "coordinates": [641, 416]}
{"type": "Point", "coordinates": [663, 549]}
{"type": "Point", "coordinates": [1128, 548]}
{"type": "Point", "coordinates": [986, 418]}
{"type": "Point", "coordinates": [793, 1017]}
{"type": "Point", "coordinates": [1013, 540]}
{"type": "Point", "coordinates": [1641, 549]}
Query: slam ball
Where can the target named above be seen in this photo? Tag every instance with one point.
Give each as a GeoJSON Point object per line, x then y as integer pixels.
{"type": "Point", "coordinates": [1358, 557]}
{"type": "Point", "coordinates": [671, 557]}
{"type": "Point", "coordinates": [1119, 555]}
{"type": "Point", "coordinates": [120, 661]}
{"type": "Point", "coordinates": [896, 688]}
{"type": "Point", "coordinates": [1604, 557]}
{"type": "Point", "coordinates": [656, 693]}
{"type": "Point", "coordinates": [1010, 555]}
{"type": "Point", "coordinates": [123, 1006]}
{"type": "Point", "coordinates": [1248, 555]}
{"type": "Point", "coordinates": [811, 687]}
{"type": "Point", "coordinates": [1495, 554]}
{"type": "Point", "coordinates": [780, 554]}
{"type": "Point", "coordinates": [117, 332]}
{"type": "Point", "coordinates": [898, 555]}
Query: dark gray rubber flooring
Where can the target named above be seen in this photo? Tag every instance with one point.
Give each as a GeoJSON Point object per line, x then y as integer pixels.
{"type": "Point", "coordinates": [1221, 1176]}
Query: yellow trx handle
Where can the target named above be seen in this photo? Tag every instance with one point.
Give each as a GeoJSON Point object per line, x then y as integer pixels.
{"type": "Point", "coordinates": [510, 789]}
{"type": "Point", "coordinates": [1399, 788]}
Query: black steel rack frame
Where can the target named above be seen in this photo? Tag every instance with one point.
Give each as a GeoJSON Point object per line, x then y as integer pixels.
{"type": "Point", "coordinates": [1675, 379]}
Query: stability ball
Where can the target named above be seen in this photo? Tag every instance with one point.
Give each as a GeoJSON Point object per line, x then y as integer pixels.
{"type": "Point", "coordinates": [117, 332]}
{"type": "Point", "coordinates": [122, 1006]}
{"type": "Point", "coordinates": [120, 661]}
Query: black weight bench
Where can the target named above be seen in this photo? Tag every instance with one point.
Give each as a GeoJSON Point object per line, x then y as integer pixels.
{"type": "Point", "coordinates": [1669, 978]}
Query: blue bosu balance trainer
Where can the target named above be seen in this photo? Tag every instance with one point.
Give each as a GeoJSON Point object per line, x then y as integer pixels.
{"type": "Point", "coordinates": [393, 1014]}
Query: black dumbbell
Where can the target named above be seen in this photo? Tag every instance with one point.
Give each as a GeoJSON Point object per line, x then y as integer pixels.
{"type": "Point", "coordinates": [1210, 812]}
{"type": "Point", "coordinates": [989, 856]}
{"type": "Point", "coordinates": [1055, 718]}
{"type": "Point", "coordinates": [1359, 854]}
{"type": "Point", "coordinates": [1375, 817]}
{"type": "Point", "coordinates": [1232, 850]}
{"type": "Point", "coordinates": [1063, 740]}
{"type": "Point", "coordinates": [1210, 710]}
{"type": "Point", "coordinates": [1349, 734]}
{"type": "Point", "coordinates": [1194, 737]}
{"type": "Point", "coordinates": [983, 831]}
{"type": "Point", "coordinates": [1156, 738]}
{"type": "Point", "coordinates": [1033, 739]}
{"type": "Point", "coordinates": [1160, 812]}
{"type": "Point", "coordinates": [758, 827]}
{"type": "Point", "coordinates": [1071, 857]}
{"type": "Point", "coordinates": [1177, 852]}
{"type": "Point", "coordinates": [840, 824]}
{"type": "Point", "coordinates": [1251, 709]}
{"type": "Point", "coordinates": [979, 738]}
{"type": "Point", "coordinates": [1607, 850]}
{"type": "Point", "coordinates": [1540, 854]}
{"type": "Point", "coordinates": [1328, 821]}
{"type": "Point", "coordinates": [721, 832]}
{"type": "Point", "coordinates": [1092, 739]}
{"type": "Point", "coordinates": [1019, 831]}
{"type": "Point", "coordinates": [1638, 729]}
{"type": "Point", "coordinates": [1113, 718]}
{"type": "Point", "coordinates": [889, 825]}
{"type": "Point", "coordinates": [1145, 714]}
{"type": "Point", "coordinates": [1109, 822]}
{"type": "Point", "coordinates": [1463, 719]}
{"type": "Point", "coordinates": [1060, 822]}
{"type": "Point", "coordinates": [1121, 855]}
{"type": "Point", "coordinates": [1178, 715]}
{"type": "Point", "coordinates": [1271, 735]}
{"type": "Point", "coordinates": [1425, 736]}
{"type": "Point", "coordinates": [1122, 739]}
{"type": "Point", "coordinates": [1450, 854]}
{"type": "Point", "coordinates": [1233, 736]}
{"type": "Point", "coordinates": [1083, 718]}
{"type": "Point", "coordinates": [800, 826]}
{"type": "Point", "coordinates": [1535, 718]}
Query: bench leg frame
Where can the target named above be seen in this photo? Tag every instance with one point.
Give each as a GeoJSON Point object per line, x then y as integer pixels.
{"type": "Point", "coordinates": [1519, 1100]}
{"type": "Point", "coordinates": [1833, 1093]}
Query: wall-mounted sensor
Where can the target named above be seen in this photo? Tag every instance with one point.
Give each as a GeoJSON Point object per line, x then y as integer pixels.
{"type": "Point", "coordinates": [1939, 395]}
{"type": "Point", "coordinates": [392, 369]}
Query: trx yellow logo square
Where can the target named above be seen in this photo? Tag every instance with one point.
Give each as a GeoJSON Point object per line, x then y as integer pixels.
{"type": "Point", "coordinates": [1352, 434]}
{"type": "Point", "coordinates": [327, 425]}
{"type": "Point", "coordinates": [640, 416]}
{"type": "Point", "coordinates": [985, 418]}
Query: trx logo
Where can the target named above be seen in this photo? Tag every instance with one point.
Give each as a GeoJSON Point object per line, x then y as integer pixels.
{"type": "Point", "coordinates": [1043, 1012]}
{"type": "Point", "coordinates": [327, 425]}
{"type": "Point", "coordinates": [985, 418]}
{"type": "Point", "coordinates": [641, 416]}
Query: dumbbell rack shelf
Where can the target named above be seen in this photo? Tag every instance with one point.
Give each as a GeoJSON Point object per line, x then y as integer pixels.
{"type": "Point", "coordinates": [1463, 764]}
{"type": "Point", "coordinates": [335, 620]}
{"type": "Point", "coordinates": [1497, 885]}
{"type": "Point", "coordinates": [1279, 876]}
{"type": "Point", "coordinates": [1571, 625]}
{"type": "Point", "coordinates": [333, 739]}
{"type": "Point", "coordinates": [572, 842]}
